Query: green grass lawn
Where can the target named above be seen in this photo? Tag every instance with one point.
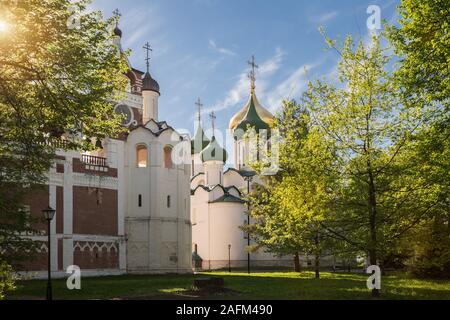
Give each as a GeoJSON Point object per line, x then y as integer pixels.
{"type": "Point", "coordinates": [261, 285]}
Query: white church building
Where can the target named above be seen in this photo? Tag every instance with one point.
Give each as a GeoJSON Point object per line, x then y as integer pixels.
{"type": "Point", "coordinates": [218, 208]}
{"type": "Point", "coordinates": [132, 206]}
{"type": "Point", "coordinates": [124, 208]}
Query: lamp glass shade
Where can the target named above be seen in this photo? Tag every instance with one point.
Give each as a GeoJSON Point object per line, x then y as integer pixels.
{"type": "Point", "coordinates": [98, 144]}
{"type": "Point", "coordinates": [49, 213]}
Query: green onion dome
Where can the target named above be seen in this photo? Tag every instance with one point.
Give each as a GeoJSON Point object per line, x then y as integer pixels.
{"type": "Point", "coordinates": [213, 152]}
{"type": "Point", "coordinates": [200, 141]}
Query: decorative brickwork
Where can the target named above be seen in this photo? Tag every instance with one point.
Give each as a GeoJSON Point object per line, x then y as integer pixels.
{"type": "Point", "coordinates": [96, 255]}
{"type": "Point", "coordinates": [80, 167]}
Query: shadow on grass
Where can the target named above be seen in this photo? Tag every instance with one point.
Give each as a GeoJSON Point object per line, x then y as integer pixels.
{"type": "Point", "coordinates": [262, 285]}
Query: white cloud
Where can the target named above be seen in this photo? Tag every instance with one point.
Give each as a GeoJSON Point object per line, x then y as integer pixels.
{"type": "Point", "coordinates": [291, 87]}
{"type": "Point", "coordinates": [213, 45]}
{"type": "Point", "coordinates": [235, 95]}
{"type": "Point", "coordinates": [137, 29]}
{"type": "Point", "coordinates": [268, 67]}
{"type": "Point", "coordinates": [325, 17]}
{"type": "Point", "coordinates": [241, 88]}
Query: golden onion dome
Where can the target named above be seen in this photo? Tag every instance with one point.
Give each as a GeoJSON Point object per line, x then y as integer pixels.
{"type": "Point", "coordinates": [243, 114]}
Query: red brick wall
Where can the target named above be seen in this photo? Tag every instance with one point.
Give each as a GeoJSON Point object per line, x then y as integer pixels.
{"type": "Point", "coordinates": [59, 210]}
{"type": "Point", "coordinates": [137, 115]}
{"type": "Point", "coordinates": [38, 199]}
{"type": "Point", "coordinates": [80, 167]}
{"type": "Point", "coordinates": [96, 259]}
{"type": "Point", "coordinates": [60, 254]}
{"type": "Point", "coordinates": [94, 211]}
{"type": "Point", "coordinates": [38, 262]}
{"type": "Point", "coordinates": [60, 168]}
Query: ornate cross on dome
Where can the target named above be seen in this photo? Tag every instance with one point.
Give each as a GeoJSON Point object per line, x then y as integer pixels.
{"type": "Point", "coordinates": [213, 117]}
{"type": "Point", "coordinates": [117, 14]}
{"type": "Point", "coordinates": [252, 73]}
{"type": "Point", "coordinates": [148, 48]}
{"type": "Point", "coordinates": [199, 104]}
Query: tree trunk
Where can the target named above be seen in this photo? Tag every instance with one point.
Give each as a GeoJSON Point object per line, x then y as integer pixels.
{"type": "Point", "coordinates": [373, 227]}
{"type": "Point", "coordinates": [448, 220]}
{"type": "Point", "coordinates": [317, 257]}
{"type": "Point", "coordinates": [317, 266]}
{"type": "Point", "coordinates": [297, 262]}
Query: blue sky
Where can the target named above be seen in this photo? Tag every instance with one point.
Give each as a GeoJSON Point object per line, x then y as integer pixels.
{"type": "Point", "coordinates": [201, 48]}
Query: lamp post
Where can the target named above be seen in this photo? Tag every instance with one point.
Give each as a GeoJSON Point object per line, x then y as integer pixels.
{"type": "Point", "coordinates": [248, 179]}
{"type": "Point", "coordinates": [229, 258]}
{"type": "Point", "coordinates": [49, 213]}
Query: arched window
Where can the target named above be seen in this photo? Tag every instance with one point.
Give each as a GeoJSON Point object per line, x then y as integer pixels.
{"type": "Point", "coordinates": [141, 156]}
{"type": "Point", "coordinates": [168, 157]}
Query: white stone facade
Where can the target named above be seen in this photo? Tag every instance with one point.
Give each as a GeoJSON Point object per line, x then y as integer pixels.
{"type": "Point", "coordinates": [124, 208]}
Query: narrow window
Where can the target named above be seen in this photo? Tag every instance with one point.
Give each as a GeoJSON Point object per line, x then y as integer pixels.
{"type": "Point", "coordinates": [194, 217]}
{"type": "Point", "coordinates": [140, 200]}
{"type": "Point", "coordinates": [168, 201]}
{"type": "Point", "coordinates": [241, 155]}
{"type": "Point", "coordinates": [141, 156]}
{"type": "Point", "coordinates": [168, 157]}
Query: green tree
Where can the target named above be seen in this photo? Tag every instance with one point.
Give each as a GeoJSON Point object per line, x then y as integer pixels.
{"type": "Point", "coordinates": [428, 164]}
{"type": "Point", "coordinates": [421, 40]}
{"type": "Point", "coordinates": [368, 122]}
{"type": "Point", "coordinates": [59, 72]}
{"type": "Point", "coordinates": [289, 209]}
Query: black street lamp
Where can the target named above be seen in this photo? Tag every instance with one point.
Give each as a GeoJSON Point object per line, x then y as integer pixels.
{"type": "Point", "coordinates": [229, 258]}
{"type": "Point", "coordinates": [248, 179]}
{"type": "Point", "coordinates": [49, 213]}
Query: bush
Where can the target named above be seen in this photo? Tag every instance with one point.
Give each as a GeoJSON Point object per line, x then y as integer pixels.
{"type": "Point", "coordinates": [432, 251]}
{"type": "Point", "coordinates": [7, 282]}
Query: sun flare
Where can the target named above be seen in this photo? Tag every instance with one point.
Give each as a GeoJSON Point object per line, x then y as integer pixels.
{"type": "Point", "coordinates": [3, 26]}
